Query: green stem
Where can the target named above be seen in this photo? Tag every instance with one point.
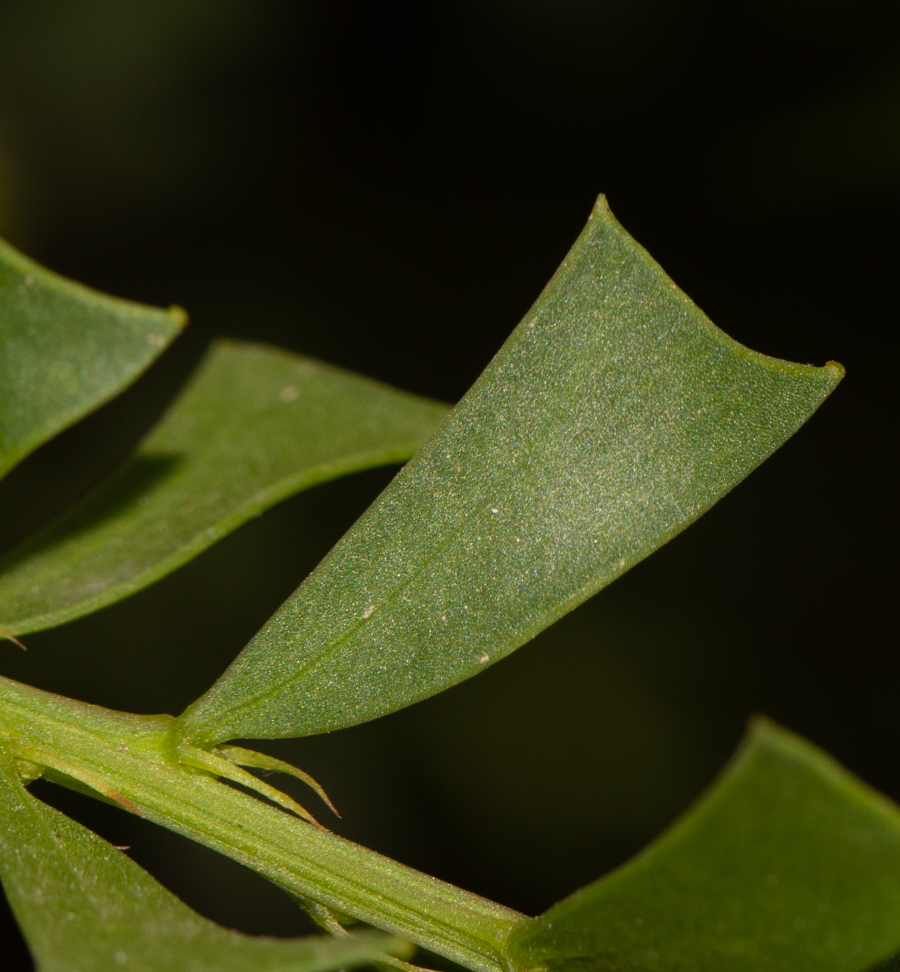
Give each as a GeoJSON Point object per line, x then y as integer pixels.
{"type": "Point", "coordinates": [130, 759]}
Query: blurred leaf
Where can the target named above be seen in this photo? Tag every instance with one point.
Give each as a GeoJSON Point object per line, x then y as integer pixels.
{"type": "Point", "coordinates": [614, 416]}
{"type": "Point", "coordinates": [64, 350]}
{"type": "Point", "coordinates": [84, 905]}
{"type": "Point", "coordinates": [788, 864]}
{"type": "Point", "coordinates": [254, 426]}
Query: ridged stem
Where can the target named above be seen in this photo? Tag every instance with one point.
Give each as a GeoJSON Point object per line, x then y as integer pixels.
{"type": "Point", "coordinates": [129, 759]}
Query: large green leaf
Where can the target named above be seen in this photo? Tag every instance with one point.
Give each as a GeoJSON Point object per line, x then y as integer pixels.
{"type": "Point", "coordinates": [85, 906]}
{"type": "Point", "coordinates": [64, 350]}
{"type": "Point", "coordinates": [255, 425]}
{"type": "Point", "coordinates": [613, 417]}
{"type": "Point", "coordinates": [788, 864]}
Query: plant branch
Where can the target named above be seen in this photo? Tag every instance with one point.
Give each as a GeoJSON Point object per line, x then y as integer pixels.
{"type": "Point", "coordinates": [131, 760]}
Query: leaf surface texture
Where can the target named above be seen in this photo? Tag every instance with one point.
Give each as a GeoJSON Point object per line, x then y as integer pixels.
{"type": "Point", "coordinates": [65, 350]}
{"type": "Point", "coordinates": [254, 426]}
{"type": "Point", "coordinates": [613, 417]}
{"type": "Point", "coordinates": [788, 864]}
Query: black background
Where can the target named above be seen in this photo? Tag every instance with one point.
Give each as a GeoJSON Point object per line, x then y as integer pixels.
{"type": "Point", "coordinates": [387, 187]}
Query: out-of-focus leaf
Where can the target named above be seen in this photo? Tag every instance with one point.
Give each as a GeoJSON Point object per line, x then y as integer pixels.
{"type": "Point", "coordinates": [788, 864]}
{"type": "Point", "coordinates": [85, 906]}
{"type": "Point", "coordinates": [613, 417]}
{"type": "Point", "coordinates": [254, 426]}
{"type": "Point", "coordinates": [64, 350]}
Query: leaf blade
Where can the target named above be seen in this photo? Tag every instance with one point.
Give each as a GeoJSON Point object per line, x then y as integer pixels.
{"type": "Point", "coordinates": [614, 416]}
{"type": "Point", "coordinates": [84, 905]}
{"type": "Point", "coordinates": [254, 426]}
{"type": "Point", "coordinates": [788, 863]}
{"type": "Point", "coordinates": [65, 349]}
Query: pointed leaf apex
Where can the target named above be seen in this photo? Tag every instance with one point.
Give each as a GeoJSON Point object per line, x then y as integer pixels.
{"type": "Point", "coordinates": [614, 416]}
{"type": "Point", "coordinates": [601, 206]}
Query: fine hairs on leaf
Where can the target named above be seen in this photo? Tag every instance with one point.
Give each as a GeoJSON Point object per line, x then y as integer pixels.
{"type": "Point", "coordinates": [614, 416]}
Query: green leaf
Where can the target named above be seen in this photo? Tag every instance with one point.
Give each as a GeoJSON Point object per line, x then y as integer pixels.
{"type": "Point", "coordinates": [254, 426]}
{"type": "Point", "coordinates": [84, 905]}
{"type": "Point", "coordinates": [788, 864]}
{"type": "Point", "coordinates": [614, 416]}
{"type": "Point", "coordinates": [64, 350]}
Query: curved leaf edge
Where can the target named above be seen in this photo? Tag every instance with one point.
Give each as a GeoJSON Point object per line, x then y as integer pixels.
{"type": "Point", "coordinates": [192, 724]}
{"type": "Point", "coordinates": [253, 506]}
{"type": "Point", "coordinates": [177, 316]}
{"type": "Point", "coordinates": [531, 945]}
{"type": "Point", "coordinates": [602, 208]}
{"type": "Point", "coordinates": [203, 541]}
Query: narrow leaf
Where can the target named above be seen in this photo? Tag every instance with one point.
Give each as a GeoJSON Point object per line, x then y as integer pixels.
{"type": "Point", "coordinates": [85, 906]}
{"type": "Point", "coordinates": [254, 426]}
{"type": "Point", "coordinates": [64, 350]}
{"type": "Point", "coordinates": [788, 864]}
{"type": "Point", "coordinates": [614, 416]}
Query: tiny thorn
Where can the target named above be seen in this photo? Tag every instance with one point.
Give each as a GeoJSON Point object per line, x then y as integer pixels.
{"type": "Point", "coordinates": [249, 757]}
{"type": "Point", "coordinates": [217, 764]}
{"type": "Point", "coordinates": [122, 847]}
{"type": "Point", "coordinates": [5, 634]}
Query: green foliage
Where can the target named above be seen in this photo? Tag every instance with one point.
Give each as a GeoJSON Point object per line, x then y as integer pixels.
{"type": "Point", "coordinates": [131, 761]}
{"type": "Point", "coordinates": [614, 416]}
{"type": "Point", "coordinates": [85, 905]}
{"type": "Point", "coordinates": [788, 863]}
{"type": "Point", "coordinates": [65, 350]}
{"type": "Point", "coordinates": [255, 426]}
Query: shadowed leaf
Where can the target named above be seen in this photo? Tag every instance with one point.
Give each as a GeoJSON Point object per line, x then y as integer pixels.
{"type": "Point", "coordinates": [254, 426]}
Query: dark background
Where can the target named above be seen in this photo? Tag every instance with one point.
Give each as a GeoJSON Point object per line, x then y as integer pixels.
{"type": "Point", "coordinates": [388, 186]}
